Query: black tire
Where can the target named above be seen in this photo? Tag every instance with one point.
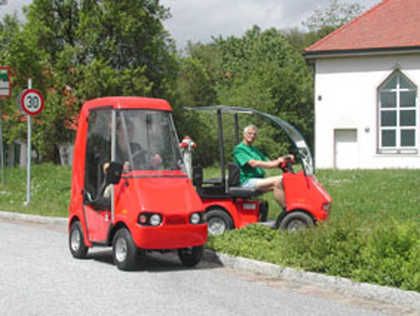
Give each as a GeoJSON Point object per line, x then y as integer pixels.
{"type": "Point", "coordinates": [296, 220]}
{"type": "Point", "coordinates": [190, 257]}
{"type": "Point", "coordinates": [218, 221]}
{"type": "Point", "coordinates": [125, 254]}
{"type": "Point", "coordinates": [77, 245]}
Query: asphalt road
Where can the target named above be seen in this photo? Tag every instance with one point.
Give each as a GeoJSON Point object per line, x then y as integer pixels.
{"type": "Point", "coordinates": [38, 276]}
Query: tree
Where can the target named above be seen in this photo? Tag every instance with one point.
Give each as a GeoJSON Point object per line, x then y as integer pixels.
{"type": "Point", "coordinates": [259, 70]}
{"type": "Point", "coordinates": [129, 34]}
{"type": "Point", "coordinates": [321, 23]}
{"type": "Point", "coordinates": [81, 49]}
{"type": "Point", "coordinates": [335, 15]}
{"type": "Point", "coordinates": [196, 85]}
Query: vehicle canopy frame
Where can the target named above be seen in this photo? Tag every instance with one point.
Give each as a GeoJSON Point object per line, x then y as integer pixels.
{"type": "Point", "coordinates": [302, 149]}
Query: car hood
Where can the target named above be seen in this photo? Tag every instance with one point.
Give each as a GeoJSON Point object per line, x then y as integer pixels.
{"type": "Point", "coordinates": [162, 194]}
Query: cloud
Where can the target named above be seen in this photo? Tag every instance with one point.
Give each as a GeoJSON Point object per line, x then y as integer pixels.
{"type": "Point", "coordinates": [200, 20]}
{"type": "Point", "coordinates": [13, 6]}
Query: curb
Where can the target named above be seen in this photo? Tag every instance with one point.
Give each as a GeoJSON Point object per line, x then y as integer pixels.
{"type": "Point", "coordinates": [33, 218]}
{"type": "Point", "coordinates": [342, 285]}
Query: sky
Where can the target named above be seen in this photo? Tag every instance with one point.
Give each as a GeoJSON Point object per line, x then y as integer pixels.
{"type": "Point", "coordinates": [200, 20]}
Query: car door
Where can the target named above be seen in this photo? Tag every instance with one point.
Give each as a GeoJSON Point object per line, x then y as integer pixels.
{"type": "Point", "coordinates": [97, 204]}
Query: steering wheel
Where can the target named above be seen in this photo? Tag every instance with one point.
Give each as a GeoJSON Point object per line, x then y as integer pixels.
{"type": "Point", "coordinates": [287, 165]}
{"type": "Point", "coordinates": [138, 156]}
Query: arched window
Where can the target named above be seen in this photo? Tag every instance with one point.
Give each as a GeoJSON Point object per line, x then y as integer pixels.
{"type": "Point", "coordinates": [397, 115]}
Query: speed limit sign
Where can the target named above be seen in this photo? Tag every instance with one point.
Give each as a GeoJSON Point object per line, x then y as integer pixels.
{"type": "Point", "coordinates": [31, 102]}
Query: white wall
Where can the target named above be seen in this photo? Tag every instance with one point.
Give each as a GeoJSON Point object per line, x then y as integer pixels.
{"type": "Point", "coordinates": [346, 99]}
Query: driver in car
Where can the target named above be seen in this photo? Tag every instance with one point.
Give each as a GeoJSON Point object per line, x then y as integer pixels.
{"type": "Point", "coordinates": [125, 147]}
{"type": "Point", "coordinates": [252, 163]}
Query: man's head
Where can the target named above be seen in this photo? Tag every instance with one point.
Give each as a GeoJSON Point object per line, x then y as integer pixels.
{"type": "Point", "coordinates": [250, 134]}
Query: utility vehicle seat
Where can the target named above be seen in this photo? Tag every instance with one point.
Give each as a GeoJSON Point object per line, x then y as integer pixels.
{"type": "Point", "coordinates": [233, 186]}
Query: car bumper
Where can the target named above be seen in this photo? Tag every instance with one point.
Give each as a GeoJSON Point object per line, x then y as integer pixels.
{"type": "Point", "coordinates": [170, 236]}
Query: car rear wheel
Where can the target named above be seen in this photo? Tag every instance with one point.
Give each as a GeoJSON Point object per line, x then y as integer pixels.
{"type": "Point", "coordinates": [77, 246]}
{"type": "Point", "coordinates": [218, 221]}
{"type": "Point", "coordinates": [296, 220]}
{"type": "Point", "coordinates": [190, 256]}
{"type": "Point", "coordinates": [125, 254]}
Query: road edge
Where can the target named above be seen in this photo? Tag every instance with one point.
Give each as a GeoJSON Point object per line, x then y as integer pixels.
{"type": "Point", "coordinates": [14, 216]}
{"type": "Point", "coordinates": [342, 285]}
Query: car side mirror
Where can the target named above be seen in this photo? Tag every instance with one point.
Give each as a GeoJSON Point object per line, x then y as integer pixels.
{"type": "Point", "coordinates": [113, 174]}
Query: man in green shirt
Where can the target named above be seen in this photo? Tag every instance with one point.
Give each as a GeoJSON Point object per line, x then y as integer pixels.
{"type": "Point", "coordinates": [252, 163]}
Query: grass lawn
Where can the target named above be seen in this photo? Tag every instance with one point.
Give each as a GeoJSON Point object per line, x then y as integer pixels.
{"type": "Point", "coordinates": [372, 235]}
{"type": "Point", "coordinates": [367, 194]}
{"type": "Point", "coordinates": [50, 190]}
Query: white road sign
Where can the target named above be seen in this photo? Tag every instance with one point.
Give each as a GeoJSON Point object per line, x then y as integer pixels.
{"type": "Point", "coordinates": [31, 102]}
{"type": "Point", "coordinates": [5, 86]}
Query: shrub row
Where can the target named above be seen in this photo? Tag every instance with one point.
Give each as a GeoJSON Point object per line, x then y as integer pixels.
{"type": "Point", "coordinates": [386, 254]}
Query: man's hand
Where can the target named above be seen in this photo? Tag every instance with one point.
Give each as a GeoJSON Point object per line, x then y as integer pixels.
{"type": "Point", "coordinates": [272, 163]}
{"type": "Point", "coordinates": [286, 158]}
{"type": "Point", "coordinates": [105, 167]}
{"type": "Point", "coordinates": [156, 160]}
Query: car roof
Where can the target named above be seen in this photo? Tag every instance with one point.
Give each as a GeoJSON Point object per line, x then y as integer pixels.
{"type": "Point", "coordinates": [122, 102]}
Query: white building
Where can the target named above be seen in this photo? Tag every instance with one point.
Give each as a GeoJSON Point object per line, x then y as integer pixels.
{"type": "Point", "coordinates": [367, 77]}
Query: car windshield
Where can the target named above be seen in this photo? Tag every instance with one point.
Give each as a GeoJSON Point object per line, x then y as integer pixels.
{"type": "Point", "coordinates": [146, 140]}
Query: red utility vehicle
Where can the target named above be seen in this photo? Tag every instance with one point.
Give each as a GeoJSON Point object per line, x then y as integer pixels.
{"type": "Point", "coordinates": [230, 206]}
{"type": "Point", "coordinates": [129, 188]}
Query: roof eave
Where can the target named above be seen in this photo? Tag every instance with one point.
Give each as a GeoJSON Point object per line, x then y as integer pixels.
{"type": "Point", "coordinates": [361, 52]}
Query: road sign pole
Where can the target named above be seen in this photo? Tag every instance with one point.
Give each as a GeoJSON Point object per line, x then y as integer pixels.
{"type": "Point", "coordinates": [1, 149]}
{"type": "Point", "coordinates": [29, 156]}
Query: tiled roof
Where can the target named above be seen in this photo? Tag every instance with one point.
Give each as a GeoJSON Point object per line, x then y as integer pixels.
{"type": "Point", "coordinates": [391, 24]}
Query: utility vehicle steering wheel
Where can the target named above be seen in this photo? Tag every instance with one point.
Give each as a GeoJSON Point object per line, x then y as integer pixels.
{"type": "Point", "coordinates": [136, 155]}
{"type": "Point", "coordinates": [287, 165]}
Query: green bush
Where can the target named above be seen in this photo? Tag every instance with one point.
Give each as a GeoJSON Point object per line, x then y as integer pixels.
{"type": "Point", "coordinates": [386, 254]}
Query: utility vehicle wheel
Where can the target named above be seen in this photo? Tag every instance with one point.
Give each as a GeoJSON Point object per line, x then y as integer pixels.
{"type": "Point", "coordinates": [218, 222]}
{"type": "Point", "coordinates": [124, 252]}
{"type": "Point", "coordinates": [190, 256]}
{"type": "Point", "coordinates": [296, 220]}
{"type": "Point", "coordinates": [77, 246]}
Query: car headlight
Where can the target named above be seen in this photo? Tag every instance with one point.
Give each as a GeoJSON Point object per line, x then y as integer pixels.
{"type": "Point", "coordinates": [155, 220]}
{"type": "Point", "coordinates": [143, 219]}
{"type": "Point", "coordinates": [149, 219]}
{"type": "Point", "coordinates": [195, 218]}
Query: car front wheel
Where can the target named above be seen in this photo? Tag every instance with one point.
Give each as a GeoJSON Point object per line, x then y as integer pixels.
{"type": "Point", "coordinates": [77, 246]}
{"type": "Point", "coordinates": [124, 252]}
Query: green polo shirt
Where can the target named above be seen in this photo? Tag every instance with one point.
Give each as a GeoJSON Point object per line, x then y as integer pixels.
{"type": "Point", "coordinates": [243, 153]}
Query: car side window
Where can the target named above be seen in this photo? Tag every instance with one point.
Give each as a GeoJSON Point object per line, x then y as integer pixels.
{"type": "Point", "coordinates": [98, 151]}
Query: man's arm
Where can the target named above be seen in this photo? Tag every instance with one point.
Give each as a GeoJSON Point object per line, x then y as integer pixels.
{"type": "Point", "coordinates": [269, 164]}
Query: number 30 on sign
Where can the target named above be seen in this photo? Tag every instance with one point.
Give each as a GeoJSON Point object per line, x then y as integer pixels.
{"type": "Point", "coordinates": [31, 102]}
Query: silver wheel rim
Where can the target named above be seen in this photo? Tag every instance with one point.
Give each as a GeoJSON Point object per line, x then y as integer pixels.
{"type": "Point", "coordinates": [216, 226]}
{"type": "Point", "coordinates": [121, 249]}
{"type": "Point", "coordinates": [75, 240]}
{"type": "Point", "coordinates": [295, 225]}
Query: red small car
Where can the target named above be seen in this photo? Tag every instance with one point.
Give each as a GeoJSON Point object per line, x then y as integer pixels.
{"type": "Point", "coordinates": [129, 186]}
{"type": "Point", "coordinates": [230, 206]}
